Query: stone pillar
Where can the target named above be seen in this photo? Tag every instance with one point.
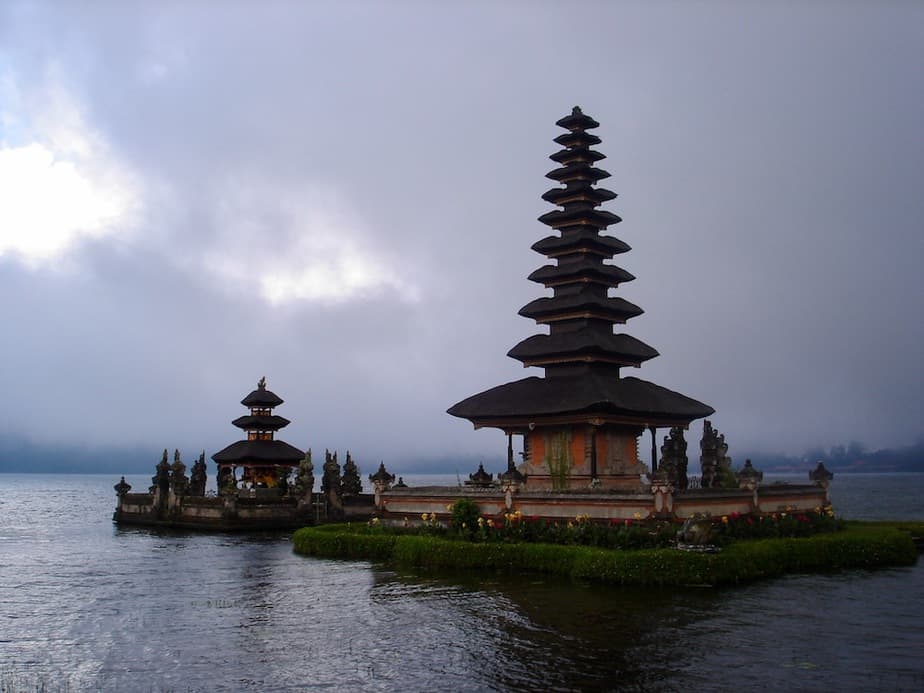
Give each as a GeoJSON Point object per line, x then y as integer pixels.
{"type": "Point", "coordinates": [654, 450]}
{"type": "Point", "coordinates": [593, 452]}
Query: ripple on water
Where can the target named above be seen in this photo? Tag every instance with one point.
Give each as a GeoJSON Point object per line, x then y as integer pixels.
{"type": "Point", "coordinates": [89, 606]}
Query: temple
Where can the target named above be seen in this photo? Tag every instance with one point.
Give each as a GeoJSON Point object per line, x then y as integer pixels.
{"type": "Point", "coordinates": [262, 483]}
{"type": "Point", "coordinates": [261, 458]}
{"type": "Point", "coordinates": [581, 421]}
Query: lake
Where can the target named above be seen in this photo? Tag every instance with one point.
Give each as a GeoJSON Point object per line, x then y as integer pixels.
{"type": "Point", "coordinates": [88, 606]}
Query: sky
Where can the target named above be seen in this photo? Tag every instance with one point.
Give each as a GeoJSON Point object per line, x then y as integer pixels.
{"type": "Point", "coordinates": [342, 197]}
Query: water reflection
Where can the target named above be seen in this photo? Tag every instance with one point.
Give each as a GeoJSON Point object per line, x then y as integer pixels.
{"type": "Point", "coordinates": [89, 606]}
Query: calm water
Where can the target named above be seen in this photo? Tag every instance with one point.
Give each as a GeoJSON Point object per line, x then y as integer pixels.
{"type": "Point", "coordinates": [87, 606]}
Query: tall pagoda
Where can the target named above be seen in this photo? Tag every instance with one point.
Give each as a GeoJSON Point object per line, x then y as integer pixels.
{"type": "Point", "coordinates": [260, 457]}
{"type": "Point", "coordinates": [581, 421]}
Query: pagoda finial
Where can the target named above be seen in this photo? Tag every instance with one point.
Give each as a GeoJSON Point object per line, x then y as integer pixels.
{"type": "Point", "coordinates": [262, 384]}
{"type": "Point", "coordinates": [577, 111]}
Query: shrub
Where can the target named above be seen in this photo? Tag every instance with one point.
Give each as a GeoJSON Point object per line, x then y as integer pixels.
{"type": "Point", "coordinates": [465, 516]}
{"type": "Point", "coordinates": [858, 546]}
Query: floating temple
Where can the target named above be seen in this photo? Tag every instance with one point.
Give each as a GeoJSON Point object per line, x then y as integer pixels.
{"type": "Point", "coordinates": [578, 424]}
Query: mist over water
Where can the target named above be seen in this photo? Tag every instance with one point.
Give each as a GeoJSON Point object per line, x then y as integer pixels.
{"type": "Point", "coordinates": [90, 606]}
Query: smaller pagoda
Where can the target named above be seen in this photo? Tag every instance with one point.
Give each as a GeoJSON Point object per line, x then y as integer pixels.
{"type": "Point", "coordinates": [261, 458]}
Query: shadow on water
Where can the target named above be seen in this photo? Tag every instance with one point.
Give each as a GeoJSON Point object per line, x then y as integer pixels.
{"type": "Point", "coordinates": [524, 633]}
{"type": "Point", "coordinates": [531, 633]}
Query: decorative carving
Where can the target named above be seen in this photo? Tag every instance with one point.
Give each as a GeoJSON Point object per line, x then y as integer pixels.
{"type": "Point", "coordinates": [480, 478]}
{"type": "Point", "coordinates": [674, 458]}
{"type": "Point", "coordinates": [304, 480]}
{"type": "Point", "coordinates": [748, 476]}
{"type": "Point", "coordinates": [820, 475]}
{"type": "Point", "coordinates": [179, 482]}
{"type": "Point", "coordinates": [382, 480]}
{"type": "Point", "coordinates": [350, 484]}
{"type": "Point", "coordinates": [261, 384]}
{"type": "Point", "coordinates": [714, 460]}
{"type": "Point", "coordinates": [400, 483]}
{"type": "Point", "coordinates": [122, 487]}
{"type": "Point", "coordinates": [696, 530]}
{"type": "Point", "coordinates": [198, 476]}
{"type": "Point", "coordinates": [330, 481]}
{"type": "Point", "coordinates": [161, 479]}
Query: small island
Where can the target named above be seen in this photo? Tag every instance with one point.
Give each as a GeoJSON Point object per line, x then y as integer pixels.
{"type": "Point", "coordinates": [581, 501]}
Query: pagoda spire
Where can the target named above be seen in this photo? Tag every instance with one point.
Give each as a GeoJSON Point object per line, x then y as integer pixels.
{"type": "Point", "coordinates": [261, 455]}
{"type": "Point", "coordinates": [581, 355]}
{"type": "Point", "coordinates": [580, 313]}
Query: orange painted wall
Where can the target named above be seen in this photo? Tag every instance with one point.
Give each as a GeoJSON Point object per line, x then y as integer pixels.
{"type": "Point", "coordinates": [536, 448]}
{"type": "Point", "coordinates": [577, 446]}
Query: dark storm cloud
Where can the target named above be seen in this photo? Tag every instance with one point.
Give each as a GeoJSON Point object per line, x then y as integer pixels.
{"type": "Point", "coordinates": [768, 162]}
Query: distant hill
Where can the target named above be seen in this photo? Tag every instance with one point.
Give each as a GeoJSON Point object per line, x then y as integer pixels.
{"type": "Point", "coordinates": [853, 459]}
{"type": "Point", "coordinates": [18, 454]}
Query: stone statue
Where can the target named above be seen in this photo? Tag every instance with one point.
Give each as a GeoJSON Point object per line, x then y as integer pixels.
{"type": "Point", "coordinates": [714, 460]}
{"type": "Point", "coordinates": [161, 479]}
{"type": "Point", "coordinates": [304, 479]}
{"type": "Point", "coordinates": [708, 458]}
{"type": "Point", "coordinates": [331, 479]}
{"type": "Point", "coordinates": [674, 458]}
{"type": "Point", "coordinates": [696, 530]}
{"type": "Point", "coordinates": [198, 476]}
{"type": "Point", "coordinates": [179, 482]}
{"type": "Point", "coordinates": [350, 484]}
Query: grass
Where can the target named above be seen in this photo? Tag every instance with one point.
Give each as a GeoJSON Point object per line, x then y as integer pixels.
{"type": "Point", "coordinates": [859, 545]}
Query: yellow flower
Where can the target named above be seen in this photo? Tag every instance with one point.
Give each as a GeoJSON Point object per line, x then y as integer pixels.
{"type": "Point", "coordinates": [490, 522]}
{"type": "Point", "coordinates": [725, 519]}
{"type": "Point", "coordinates": [424, 517]}
{"type": "Point", "coordinates": [481, 522]}
{"type": "Point", "coordinates": [448, 508]}
{"type": "Point", "coordinates": [637, 516]}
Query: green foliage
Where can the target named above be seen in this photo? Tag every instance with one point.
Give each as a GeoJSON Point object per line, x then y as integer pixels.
{"type": "Point", "coordinates": [859, 546]}
{"type": "Point", "coordinates": [736, 526]}
{"type": "Point", "coordinates": [558, 460]}
{"type": "Point", "coordinates": [465, 516]}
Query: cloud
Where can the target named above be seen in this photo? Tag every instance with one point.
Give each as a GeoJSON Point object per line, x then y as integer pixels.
{"type": "Point", "coordinates": [60, 181]}
{"type": "Point", "coordinates": [295, 241]}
